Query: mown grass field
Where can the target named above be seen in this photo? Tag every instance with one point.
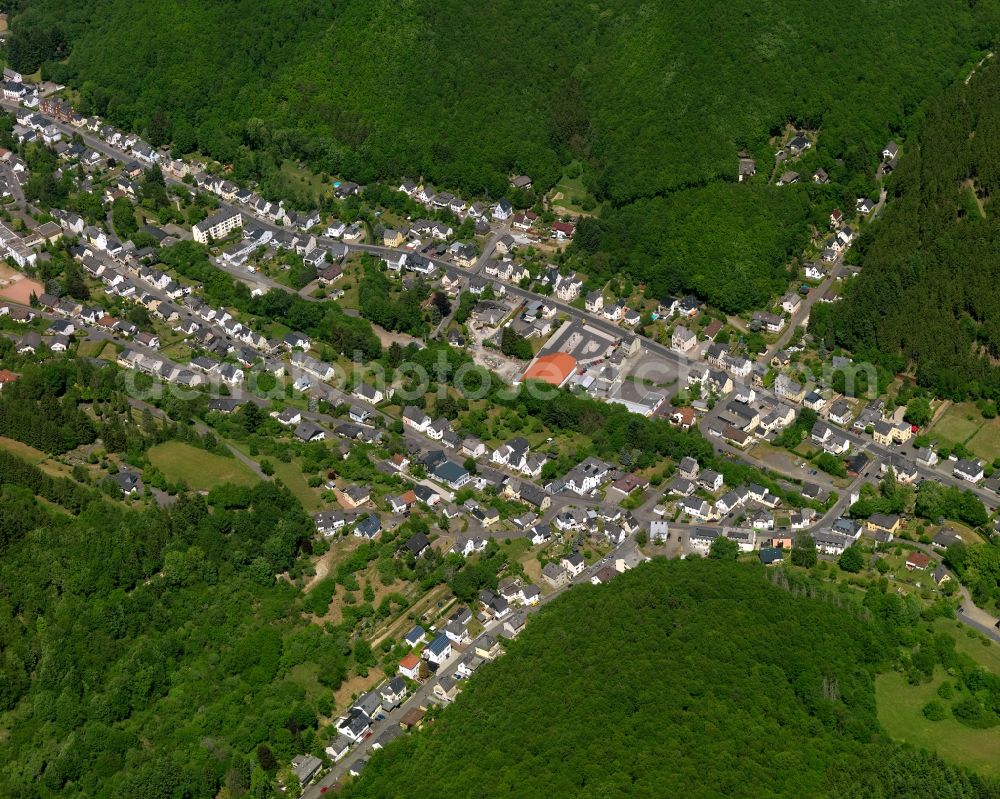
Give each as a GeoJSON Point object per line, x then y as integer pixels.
{"type": "Point", "coordinates": [984, 652]}
{"type": "Point", "coordinates": [199, 469]}
{"type": "Point", "coordinates": [28, 453]}
{"type": "Point", "coordinates": [899, 712]}
{"type": "Point", "coordinates": [963, 424]}
{"type": "Point", "coordinates": [291, 475]}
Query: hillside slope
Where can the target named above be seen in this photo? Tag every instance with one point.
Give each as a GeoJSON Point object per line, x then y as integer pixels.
{"type": "Point", "coordinates": [696, 679]}
{"type": "Point", "coordinates": [658, 96]}
{"type": "Point", "coordinates": [929, 290]}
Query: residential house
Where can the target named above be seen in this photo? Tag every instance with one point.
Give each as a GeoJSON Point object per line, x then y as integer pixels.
{"type": "Point", "coordinates": [864, 206]}
{"type": "Point", "coordinates": [502, 211]}
{"type": "Point", "coordinates": [683, 340]}
{"type": "Point", "coordinates": [594, 302]}
{"type": "Point", "coordinates": [710, 480]}
{"type": "Point", "coordinates": [217, 226]}
{"type": "Point", "coordinates": [968, 469]}
{"type": "Point", "coordinates": [305, 768]}
{"type": "Point", "coordinates": [438, 651]}
{"type": "Point", "coordinates": [831, 543]}
{"type": "Point", "coordinates": [884, 522]}
{"type": "Point", "coordinates": [353, 496]}
{"type": "Point", "coordinates": [688, 468]}
{"type": "Point", "coordinates": [841, 413]}
{"type": "Point", "coordinates": [369, 527]}
{"type": "Point", "coordinates": [574, 564]}
{"type": "Point", "coordinates": [513, 626]}
{"type": "Point", "coordinates": [447, 689]}
{"type": "Point", "coordinates": [370, 394]}
{"type": "Point", "coordinates": [409, 667]}
{"type": "Point", "coordinates": [769, 321]}
{"type": "Point", "coordinates": [555, 574]}
{"type": "Point", "coordinates": [451, 474]}
{"type": "Point", "coordinates": [917, 561]}
{"type": "Point", "coordinates": [791, 302]}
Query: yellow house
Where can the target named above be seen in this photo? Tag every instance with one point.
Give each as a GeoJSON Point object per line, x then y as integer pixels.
{"type": "Point", "coordinates": [888, 433]}
{"type": "Point", "coordinates": [886, 522]}
{"type": "Point", "coordinates": [883, 433]}
{"type": "Point", "coordinates": [392, 238]}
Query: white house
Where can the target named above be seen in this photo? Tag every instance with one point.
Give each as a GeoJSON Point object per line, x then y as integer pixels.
{"type": "Point", "coordinates": [970, 470]}
{"type": "Point", "coordinates": [683, 340]}
{"type": "Point", "coordinates": [439, 650]}
{"type": "Point", "coordinates": [503, 211]}
{"type": "Point", "coordinates": [217, 226]}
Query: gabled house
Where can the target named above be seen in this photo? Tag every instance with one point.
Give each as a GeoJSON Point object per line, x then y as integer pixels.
{"type": "Point", "coordinates": [502, 211]}
{"type": "Point", "coordinates": [439, 650]}
{"type": "Point", "coordinates": [683, 340]}
{"type": "Point", "coordinates": [370, 394]}
{"type": "Point", "coordinates": [969, 470]}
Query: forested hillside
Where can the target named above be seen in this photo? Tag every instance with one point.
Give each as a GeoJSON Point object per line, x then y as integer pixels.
{"type": "Point", "coordinates": [651, 98]}
{"type": "Point", "coordinates": [694, 678]}
{"type": "Point", "coordinates": [929, 289]}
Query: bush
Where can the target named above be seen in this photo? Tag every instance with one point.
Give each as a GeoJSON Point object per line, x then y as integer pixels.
{"type": "Point", "coordinates": [852, 560]}
{"type": "Point", "coordinates": [970, 713]}
{"type": "Point", "coordinates": [935, 711]}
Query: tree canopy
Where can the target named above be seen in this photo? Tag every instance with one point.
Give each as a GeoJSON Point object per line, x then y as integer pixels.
{"type": "Point", "coordinates": [929, 288]}
{"type": "Point", "coordinates": [680, 678]}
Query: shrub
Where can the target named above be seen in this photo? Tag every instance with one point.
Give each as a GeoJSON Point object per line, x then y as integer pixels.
{"type": "Point", "coordinates": [935, 711]}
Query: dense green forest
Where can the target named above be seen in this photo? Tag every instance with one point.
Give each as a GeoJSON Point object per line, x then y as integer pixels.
{"type": "Point", "coordinates": [929, 289]}
{"type": "Point", "coordinates": [132, 664]}
{"type": "Point", "coordinates": [687, 678]}
{"type": "Point", "coordinates": [727, 243]}
{"type": "Point", "coordinates": [652, 100]}
{"type": "Point", "coordinates": [660, 96]}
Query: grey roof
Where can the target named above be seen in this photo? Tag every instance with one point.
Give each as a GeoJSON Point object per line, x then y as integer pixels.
{"type": "Point", "coordinates": [449, 471]}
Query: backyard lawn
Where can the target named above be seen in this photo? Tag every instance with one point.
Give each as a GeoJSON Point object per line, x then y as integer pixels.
{"type": "Point", "coordinates": [201, 470]}
{"type": "Point", "coordinates": [90, 349]}
{"type": "Point", "coordinates": [986, 443]}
